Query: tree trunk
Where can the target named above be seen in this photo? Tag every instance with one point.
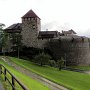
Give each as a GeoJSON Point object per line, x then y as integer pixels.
{"type": "Point", "coordinates": [18, 52]}
{"type": "Point", "coordinates": [59, 68]}
{"type": "Point", "coordinates": [41, 64]}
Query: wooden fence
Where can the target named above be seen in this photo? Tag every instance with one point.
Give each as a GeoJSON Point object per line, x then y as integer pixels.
{"type": "Point", "coordinates": [4, 71]}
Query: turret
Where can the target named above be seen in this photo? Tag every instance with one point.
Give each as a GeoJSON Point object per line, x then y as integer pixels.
{"type": "Point", "coordinates": [31, 26]}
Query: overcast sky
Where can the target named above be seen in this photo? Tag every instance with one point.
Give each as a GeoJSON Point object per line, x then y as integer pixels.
{"type": "Point", "coordinates": [55, 14]}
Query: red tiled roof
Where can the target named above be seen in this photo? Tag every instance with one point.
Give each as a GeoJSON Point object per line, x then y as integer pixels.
{"type": "Point", "coordinates": [30, 14]}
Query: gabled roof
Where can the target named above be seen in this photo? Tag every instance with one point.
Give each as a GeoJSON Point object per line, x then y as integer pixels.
{"type": "Point", "coordinates": [69, 32]}
{"type": "Point", "coordinates": [14, 28]}
{"type": "Point", "coordinates": [30, 14]}
{"type": "Point", "coordinates": [72, 31]}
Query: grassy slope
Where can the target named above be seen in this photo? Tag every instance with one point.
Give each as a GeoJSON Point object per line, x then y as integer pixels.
{"type": "Point", "coordinates": [81, 67]}
{"type": "Point", "coordinates": [32, 85]}
{"type": "Point", "coordinates": [72, 80]}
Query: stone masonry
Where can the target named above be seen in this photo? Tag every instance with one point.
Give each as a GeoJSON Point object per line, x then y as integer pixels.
{"type": "Point", "coordinates": [30, 30]}
{"type": "Point", "coordinates": [73, 48]}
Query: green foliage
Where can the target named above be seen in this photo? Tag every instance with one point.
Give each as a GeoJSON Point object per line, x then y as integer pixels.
{"type": "Point", "coordinates": [52, 63]}
{"type": "Point", "coordinates": [30, 52]}
{"type": "Point", "coordinates": [72, 80]}
{"type": "Point", "coordinates": [42, 59]}
{"type": "Point", "coordinates": [16, 42]}
{"type": "Point", "coordinates": [1, 30]}
{"type": "Point", "coordinates": [60, 63]}
{"type": "Point", "coordinates": [2, 25]}
{"type": "Point", "coordinates": [81, 67]}
{"type": "Point", "coordinates": [5, 44]}
{"type": "Point", "coordinates": [1, 34]}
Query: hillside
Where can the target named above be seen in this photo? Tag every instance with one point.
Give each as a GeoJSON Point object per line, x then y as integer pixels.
{"type": "Point", "coordinates": [29, 82]}
{"type": "Point", "coordinates": [69, 79]}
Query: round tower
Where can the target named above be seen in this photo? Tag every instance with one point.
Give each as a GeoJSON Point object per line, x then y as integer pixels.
{"type": "Point", "coordinates": [31, 26]}
{"type": "Point", "coordinates": [74, 49]}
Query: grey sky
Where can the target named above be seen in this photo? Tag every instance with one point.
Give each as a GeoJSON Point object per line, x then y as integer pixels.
{"type": "Point", "coordinates": [54, 14]}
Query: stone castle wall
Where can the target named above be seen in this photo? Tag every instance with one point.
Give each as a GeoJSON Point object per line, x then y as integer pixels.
{"type": "Point", "coordinates": [75, 51]}
{"type": "Point", "coordinates": [42, 43]}
{"type": "Point", "coordinates": [30, 32]}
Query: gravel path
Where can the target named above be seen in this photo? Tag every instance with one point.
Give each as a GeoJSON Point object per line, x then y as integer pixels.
{"type": "Point", "coordinates": [1, 86]}
{"type": "Point", "coordinates": [50, 84]}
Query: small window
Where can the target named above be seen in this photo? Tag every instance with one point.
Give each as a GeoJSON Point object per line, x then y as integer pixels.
{"type": "Point", "coordinates": [33, 26]}
{"type": "Point", "coordinates": [29, 18]}
{"type": "Point", "coordinates": [25, 19]}
{"type": "Point", "coordinates": [33, 18]}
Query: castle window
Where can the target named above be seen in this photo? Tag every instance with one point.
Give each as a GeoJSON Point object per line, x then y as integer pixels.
{"type": "Point", "coordinates": [72, 40]}
{"type": "Point", "coordinates": [25, 19]}
{"type": "Point", "coordinates": [33, 27]}
{"type": "Point", "coordinates": [82, 39]}
{"type": "Point", "coordinates": [29, 18]}
{"type": "Point", "coordinates": [33, 18]}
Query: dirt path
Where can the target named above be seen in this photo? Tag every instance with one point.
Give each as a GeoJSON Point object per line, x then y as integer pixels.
{"type": "Point", "coordinates": [1, 86]}
{"type": "Point", "coordinates": [52, 85]}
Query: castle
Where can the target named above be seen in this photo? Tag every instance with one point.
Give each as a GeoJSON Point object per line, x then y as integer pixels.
{"type": "Point", "coordinates": [74, 49]}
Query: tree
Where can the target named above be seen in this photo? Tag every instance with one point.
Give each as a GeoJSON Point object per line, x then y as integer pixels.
{"type": "Point", "coordinates": [5, 43]}
{"type": "Point", "coordinates": [16, 42]}
{"type": "Point", "coordinates": [42, 59]}
{"type": "Point", "coordinates": [1, 35]}
{"type": "Point", "coordinates": [52, 63]}
{"type": "Point", "coordinates": [1, 31]}
{"type": "Point", "coordinates": [60, 63]}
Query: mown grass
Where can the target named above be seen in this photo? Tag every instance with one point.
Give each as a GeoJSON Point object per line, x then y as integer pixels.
{"type": "Point", "coordinates": [30, 83]}
{"type": "Point", "coordinates": [81, 67]}
{"type": "Point", "coordinates": [72, 80]}
{"type": "Point", "coordinates": [6, 85]}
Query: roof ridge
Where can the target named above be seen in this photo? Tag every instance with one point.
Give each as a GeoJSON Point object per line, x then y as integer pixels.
{"type": "Point", "coordinates": [30, 13]}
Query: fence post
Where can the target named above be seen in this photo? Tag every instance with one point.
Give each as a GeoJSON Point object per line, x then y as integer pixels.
{"type": "Point", "coordinates": [5, 74]}
{"type": "Point", "coordinates": [13, 87]}
{"type": "Point", "coordinates": [4, 71]}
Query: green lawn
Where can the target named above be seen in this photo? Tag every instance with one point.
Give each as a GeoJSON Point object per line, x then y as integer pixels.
{"type": "Point", "coordinates": [72, 80]}
{"type": "Point", "coordinates": [27, 81]}
{"type": "Point", "coordinates": [81, 67]}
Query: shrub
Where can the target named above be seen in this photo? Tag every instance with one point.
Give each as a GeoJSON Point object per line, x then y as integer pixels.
{"type": "Point", "coordinates": [60, 63]}
{"type": "Point", "coordinates": [42, 59]}
{"type": "Point", "coordinates": [52, 63]}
